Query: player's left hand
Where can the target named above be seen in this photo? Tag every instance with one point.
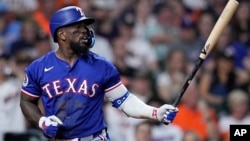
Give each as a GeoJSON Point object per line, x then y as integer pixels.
{"type": "Point", "coordinates": [49, 125]}
{"type": "Point", "coordinates": [166, 113]}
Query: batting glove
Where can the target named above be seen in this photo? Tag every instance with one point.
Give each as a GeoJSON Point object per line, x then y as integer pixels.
{"type": "Point", "coordinates": [166, 113]}
{"type": "Point", "coordinates": [49, 125]}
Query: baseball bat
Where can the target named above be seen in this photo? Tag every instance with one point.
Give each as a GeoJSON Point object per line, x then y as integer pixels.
{"type": "Point", "coordinates": [219, 26]}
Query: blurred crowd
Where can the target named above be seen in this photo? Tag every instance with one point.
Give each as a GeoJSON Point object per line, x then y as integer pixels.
{"type": "Point", "coordinates": [154, 44]}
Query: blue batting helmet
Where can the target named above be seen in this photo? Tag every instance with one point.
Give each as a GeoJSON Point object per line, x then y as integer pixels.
{"type": "Point", "coordinates": [66, 16]}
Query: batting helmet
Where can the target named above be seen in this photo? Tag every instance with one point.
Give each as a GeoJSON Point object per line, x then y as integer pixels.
{"type": "Point", "coordinates": [69, 15]}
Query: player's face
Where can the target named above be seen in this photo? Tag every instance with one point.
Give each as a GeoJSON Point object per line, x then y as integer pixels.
{"type": "Point", "coordinates": [78, 38]}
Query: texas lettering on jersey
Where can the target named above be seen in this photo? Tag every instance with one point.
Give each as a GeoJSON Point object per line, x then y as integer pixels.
{"type": "Point", "coordinates": [56, 88]}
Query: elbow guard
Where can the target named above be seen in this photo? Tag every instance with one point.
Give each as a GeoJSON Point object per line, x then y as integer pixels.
{"type": "Point", "coordinates": [118, 102]}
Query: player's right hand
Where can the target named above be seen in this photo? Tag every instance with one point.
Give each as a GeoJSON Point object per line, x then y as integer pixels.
{"type": "Point", "coordinates": [49, 125]}
{"type": "Point", "coordinates": [167, 113]}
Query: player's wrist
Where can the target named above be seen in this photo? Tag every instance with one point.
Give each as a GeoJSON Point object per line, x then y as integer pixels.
{"type": "Point", "coordinates": [154, 114]}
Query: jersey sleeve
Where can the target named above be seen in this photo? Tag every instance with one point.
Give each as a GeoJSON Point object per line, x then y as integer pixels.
{"type": "Point", "coordinates": [30, 84]}
{"type": "Point", "coordinates": [111, 78]}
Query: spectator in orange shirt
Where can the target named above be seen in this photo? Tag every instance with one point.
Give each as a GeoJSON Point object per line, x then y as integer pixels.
{"type": "Point", "coordinates": [63, 3]}
{"type": "Point", "coordinates": [196, 116]}
{"type": "Point", "coordinates": [43, 14]}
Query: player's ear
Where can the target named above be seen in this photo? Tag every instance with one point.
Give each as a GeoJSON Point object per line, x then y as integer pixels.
{"type": "Point", "coordinates": [61, 35]}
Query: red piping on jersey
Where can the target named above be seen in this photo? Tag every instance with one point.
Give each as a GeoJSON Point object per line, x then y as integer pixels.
{"type": "Point", "coordinates": [113, 87]}
{"type": "Point", "coordinates": [28, 94]}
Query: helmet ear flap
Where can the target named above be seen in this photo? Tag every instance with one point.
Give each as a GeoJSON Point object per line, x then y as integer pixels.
{"type": "Point", "coordinates": [91, 40]}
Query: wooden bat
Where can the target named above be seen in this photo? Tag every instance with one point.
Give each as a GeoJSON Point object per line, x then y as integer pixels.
{"type": "Point", "coordinates": [219, 26]}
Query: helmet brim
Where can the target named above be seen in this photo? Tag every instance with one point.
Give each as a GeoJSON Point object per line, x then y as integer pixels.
{"type": "Point", "coordinates": [87, 21]}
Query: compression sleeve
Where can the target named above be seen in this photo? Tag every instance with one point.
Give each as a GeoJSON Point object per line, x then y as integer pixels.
{"type": "Point", "coordinates": [129, 104]}
{"type": "Point", "coordinates": [134, 107]}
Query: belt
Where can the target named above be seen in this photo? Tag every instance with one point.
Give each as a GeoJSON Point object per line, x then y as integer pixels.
{"type": "Point", "coordinates": [101, 137]}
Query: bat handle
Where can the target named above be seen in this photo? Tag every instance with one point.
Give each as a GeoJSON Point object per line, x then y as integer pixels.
{"type": "Point", "coordinates": [188, 81]}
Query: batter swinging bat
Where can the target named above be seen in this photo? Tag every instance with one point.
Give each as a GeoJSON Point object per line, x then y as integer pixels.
{"type": "Point", "coordinates": [221, 23]}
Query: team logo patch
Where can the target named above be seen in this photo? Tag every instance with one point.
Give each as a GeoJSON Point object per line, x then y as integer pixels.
{"type": "Point", "coordinates": [26, 80]}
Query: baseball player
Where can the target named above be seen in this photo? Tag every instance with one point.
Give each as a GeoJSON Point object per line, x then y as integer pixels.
{"type": "Point", "coordinates": [72, 82]}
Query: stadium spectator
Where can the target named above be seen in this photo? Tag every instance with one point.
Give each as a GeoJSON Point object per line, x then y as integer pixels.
{"type": "Point", "coordinates": [241, 22]}
{"type": "Point", "coordinates": [227, 40]}
{"type": "Point", "coordinates": [169, 81]}
{"type": "Point", "coordinates": [141, 55]}
{"type": "Point", "coordinates": [161, 33]}
{"type": "Point", "coordinates": [104, 13]}
{"type": "Point", "coordinates": [205, 24]}
{"type": "Point", "coordinates": [201, 118]}
{"type": "Point", "coordinates": [188, 40]}
{"type": "Point", "coordinates": [144, 17]}
{"type": "Point", "coordinates": [191, 136]}
{"type": "Point", "coordinates": [9, 27]}
{"type": "Point", "coordinates": [143, 131]}
{"type": "Point", "coordinates": [120, 55]}
{"type": "Point", "coordinates": [11, 117]}
{"type": "Point", "coordinates": [216, 83]}
{"type": "Point", "coordinates": [28, 35]}
{"type": "Point", "coordinates": [43, 14]}
{"type": "Point", "coordinates": [238, 103]}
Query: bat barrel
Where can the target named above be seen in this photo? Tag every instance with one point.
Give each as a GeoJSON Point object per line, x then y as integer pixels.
{"type": "Point", "coordinates": [220, 25]}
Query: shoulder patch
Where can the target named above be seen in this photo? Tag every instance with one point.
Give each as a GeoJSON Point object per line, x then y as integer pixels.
{"type": "Point", "coordinates": [25, 80]}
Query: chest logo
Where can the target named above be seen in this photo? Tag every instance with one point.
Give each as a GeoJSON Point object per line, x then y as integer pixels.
{"type": "Point", "coordinates": [48, 69]}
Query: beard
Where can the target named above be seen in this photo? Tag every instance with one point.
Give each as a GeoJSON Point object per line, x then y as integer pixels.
{"type": "Point", "coordinates": [79, 49]}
